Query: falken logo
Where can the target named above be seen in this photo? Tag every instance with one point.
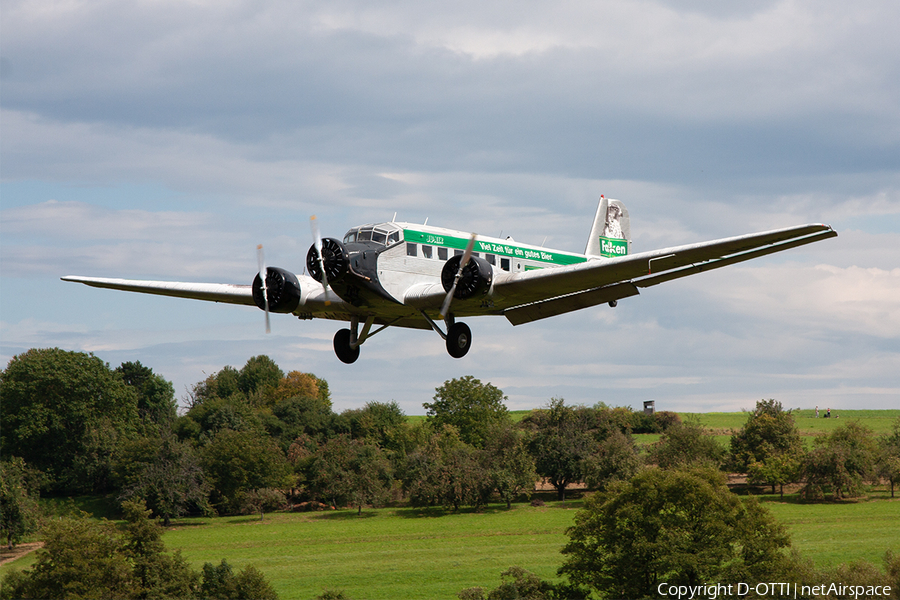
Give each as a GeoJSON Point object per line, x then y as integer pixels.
{"type": "Point", "coordinates": [610, 247]}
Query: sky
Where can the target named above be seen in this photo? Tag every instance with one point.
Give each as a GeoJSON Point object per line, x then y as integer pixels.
{"type": "Point", "coordinates": [165, 140]}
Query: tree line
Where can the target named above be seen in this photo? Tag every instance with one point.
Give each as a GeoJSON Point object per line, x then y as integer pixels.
{"type": "Point", "coordinates": [257, 438]}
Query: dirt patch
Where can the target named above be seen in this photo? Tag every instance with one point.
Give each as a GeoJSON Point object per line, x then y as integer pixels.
{"type": "Point", "coordinates": [18, 551]}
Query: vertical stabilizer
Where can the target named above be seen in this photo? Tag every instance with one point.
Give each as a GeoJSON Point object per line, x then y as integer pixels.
{"type": "Point", "coordinates": [611, 232]}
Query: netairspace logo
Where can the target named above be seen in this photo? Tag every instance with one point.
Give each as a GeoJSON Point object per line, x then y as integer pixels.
{"type": "Point", "coordinates": [712, 591]}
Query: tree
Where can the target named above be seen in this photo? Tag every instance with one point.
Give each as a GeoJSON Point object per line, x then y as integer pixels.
{"type": "Point", "coordinates": [376, 421]}
{"type": "Point", "coordinates": [470, 406]}
{"type": "Point", "coordinates": [18, 500]}
{"type": "Point", "coordinates": [686, 444]}
{"type": "Point", "coordinates": [165, 473]}
{"type": "Point", "coordinates": [304, 385]}
{"type": "Point", "coordinates": [841, 462]}
{"type": "Point", "coordinates": [299, 415]}
{"type": "Point", "coordinates": [616, 458]}
{"type": "Point", "coordinates": [889, 456]}
{"type": "Point", "coordinates": [220, 583]}
{"type": "Point", "coordinates": [237, 462]}
{"type": "Point", "coordinates": [81, 558]}
{"type": "Point", "coordinates": [445, 471]}
{"type": "Point", "coordinates": [258, 378]}
{"type": "Point", "coordinates": [64, 413]}
{"type": "Point", "coordinates": [518, 583]}
{"type": "Point", "coordinates": [769, 431]}
{"type": "Point", "coordinates": [156, 574]}
{"type": "Point", "coordinates": [559, 441]}
{"type": "Point", "coordinates": [262, 500]}
{"type": "Point", "coordinates": [509, 465]}
{"type": "Point", "coordinates": [670, 526]}
{"type": "Point", "coordinates": [777, 469]}
{"type": "Point", "coordinates": [156, 396]}
{"type": "Point", "coordinates": [347, 471]}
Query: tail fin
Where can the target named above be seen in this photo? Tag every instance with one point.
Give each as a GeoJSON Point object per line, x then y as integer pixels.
{"type": "Point", "coordinates": [611, 233]}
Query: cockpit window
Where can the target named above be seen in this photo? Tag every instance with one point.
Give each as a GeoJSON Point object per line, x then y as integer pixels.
{"type": "Point", "coordinates": [385, 234]}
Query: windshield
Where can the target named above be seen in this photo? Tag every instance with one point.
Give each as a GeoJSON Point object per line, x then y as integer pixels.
{"type": "Point", "coordinates": [385, 234]}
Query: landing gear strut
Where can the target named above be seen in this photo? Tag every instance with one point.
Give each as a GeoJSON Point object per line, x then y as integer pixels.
{"type": "Point", "coordinates": [348, 341]}
{"type": "Point", "coordinates": [458, 336]}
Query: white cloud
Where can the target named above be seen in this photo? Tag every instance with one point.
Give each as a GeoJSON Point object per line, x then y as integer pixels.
{"type": "Point", "coordinates": [824, 298]}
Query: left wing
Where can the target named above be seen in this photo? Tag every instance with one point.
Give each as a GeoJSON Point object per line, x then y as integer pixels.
{"type": "Point", "coordinates": [533, 295]}
{"type": "Point", "coordinates": [213, 292]}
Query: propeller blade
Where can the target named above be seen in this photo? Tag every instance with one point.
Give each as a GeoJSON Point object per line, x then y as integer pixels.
{"type": "Point", "coordinates": [262, 277]}
{"type": "Point", "coordinates": [317, 242]}
{"type": "Point", "coordinates": [445, 308]}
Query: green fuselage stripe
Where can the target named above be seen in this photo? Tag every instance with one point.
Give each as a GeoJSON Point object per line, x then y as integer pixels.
{"type": "Point", "coordinates": [489, 247]}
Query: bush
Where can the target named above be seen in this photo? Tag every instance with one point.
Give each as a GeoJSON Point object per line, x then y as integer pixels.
{"type": "Point", "coordinates": [520, 583]}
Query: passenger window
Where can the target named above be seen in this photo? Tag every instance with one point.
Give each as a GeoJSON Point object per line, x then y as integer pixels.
{"type": "Point", "coordinates": [457, 253]}
{"type": "Point", "coordinates": [442, 253]}
{"type": "Point", "coordinates": [410, 249]}
{"type": "Point", "coordinates": [492, 260]}
{"type": "Point", "coordinates": [476, 255]}
{"type": "Point", "coordinates": [426, 251]}
{"type": "Point", "coordinates": [504, 264]}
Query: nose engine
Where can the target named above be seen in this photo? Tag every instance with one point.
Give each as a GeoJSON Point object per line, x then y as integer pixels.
{"type": "Point", "coordinates": [335, 258]}
{"type": "Point", "coordinates": [475, 280]}
{"type": "Point", "coordinates": [282, 290]}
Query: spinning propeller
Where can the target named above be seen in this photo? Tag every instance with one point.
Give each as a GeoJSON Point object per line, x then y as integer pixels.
{"type": "Point", "coordinates": [317, 242]}
{"type": "Point", "coordinates": [445, 309]}
{"type": "Point", "coordinates": [263, 273]}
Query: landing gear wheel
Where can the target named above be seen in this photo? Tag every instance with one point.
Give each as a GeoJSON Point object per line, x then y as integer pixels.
{"type": "Point", "coordinates": [459, 339]}
{"type": "Point", "coordinates": [342, 347]}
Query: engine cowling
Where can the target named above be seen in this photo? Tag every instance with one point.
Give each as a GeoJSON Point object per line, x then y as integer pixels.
{"type": "Point", "coordinates": [282, 290]}
{"type": "Point", "coordinates": [475, 280]}
{"type": "Point", "coordinates": [335, 257]}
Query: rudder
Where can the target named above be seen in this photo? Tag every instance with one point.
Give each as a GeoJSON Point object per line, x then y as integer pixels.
{"type": "Point", "coordinates": [611, 233]}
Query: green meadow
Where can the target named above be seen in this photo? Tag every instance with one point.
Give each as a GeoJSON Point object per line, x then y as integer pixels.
{"type": "Point", "coordinates": [429, 553]}
{"type": "Point", "coordinates": [412, 553]}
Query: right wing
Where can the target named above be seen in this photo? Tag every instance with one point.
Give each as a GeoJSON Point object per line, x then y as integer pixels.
{"type": "Point", "coordinates": [544, 293]}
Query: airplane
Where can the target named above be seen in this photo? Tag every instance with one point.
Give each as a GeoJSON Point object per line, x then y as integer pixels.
{"type": "Point", "coordinates": [395, 274]}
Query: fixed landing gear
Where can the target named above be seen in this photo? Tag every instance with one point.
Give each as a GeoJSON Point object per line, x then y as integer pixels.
{"type": "Point", "coordinates": [458, 336]}
{"type": "Point", "coordinates": [459, 339]}
{"type": "Point", "coordinates": [345, 351]}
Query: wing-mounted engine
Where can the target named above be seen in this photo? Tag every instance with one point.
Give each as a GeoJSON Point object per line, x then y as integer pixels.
{"type": "Point", "coordinates": [335, 258]}
{"type": "Point", "coordinates": [282, 290]}
{"type": "Point", "coordinates": [475, 280]}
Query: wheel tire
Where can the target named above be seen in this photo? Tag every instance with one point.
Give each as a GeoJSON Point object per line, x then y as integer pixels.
{"type": "Point", "coordinates": [342, 347]}
{"type": "Point", "coordinates": [459, 340]}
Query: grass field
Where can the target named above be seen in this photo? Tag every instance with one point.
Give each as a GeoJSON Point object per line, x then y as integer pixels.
{"type": "Point", "coordinates": [429, 553]}
{"type": "Point", "coordinates": [411, 553]}
{"type": "Point", "coordinates": [386, 553]}
{"type": "Point", "coordinates": [879, 421]}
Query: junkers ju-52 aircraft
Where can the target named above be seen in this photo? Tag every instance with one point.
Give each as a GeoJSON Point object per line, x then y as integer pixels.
{"type": "Point", "coordinates": [409, 275]}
